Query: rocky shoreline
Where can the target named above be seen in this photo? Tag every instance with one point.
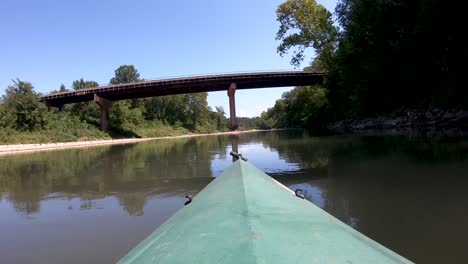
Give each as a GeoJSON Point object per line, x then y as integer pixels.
{"type": "Point", "coordinates": [435, 123]}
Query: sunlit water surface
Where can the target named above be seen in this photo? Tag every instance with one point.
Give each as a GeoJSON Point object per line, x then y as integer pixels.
{"type": "Point", "coordinates": [94, 205]}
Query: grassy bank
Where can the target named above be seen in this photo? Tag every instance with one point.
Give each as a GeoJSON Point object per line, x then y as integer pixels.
{"type": "Point", "coordinates": [82, 131]}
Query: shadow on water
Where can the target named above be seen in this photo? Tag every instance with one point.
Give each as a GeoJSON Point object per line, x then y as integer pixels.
{"type": "Point", "coordinates": [409, 195]}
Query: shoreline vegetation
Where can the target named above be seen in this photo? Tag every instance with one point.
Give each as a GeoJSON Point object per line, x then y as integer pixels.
{"type": "Point", "coordinates": [6, 150]}
{"type": "Point", "coordinates": [381, 58]}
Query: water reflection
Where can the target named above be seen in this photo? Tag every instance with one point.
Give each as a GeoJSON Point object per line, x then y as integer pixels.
{"type": "Point", "coordinates": [408, 195]}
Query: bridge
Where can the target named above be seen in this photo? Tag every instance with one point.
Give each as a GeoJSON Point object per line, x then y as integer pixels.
{"type": "Point", "coordinates": [104, 95]}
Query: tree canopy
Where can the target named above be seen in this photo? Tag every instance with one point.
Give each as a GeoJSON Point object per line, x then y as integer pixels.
{"type": "Point", "coordinates": [306, 24]}
{"type": "Point", "coordinates": [126, 74]}
{"type": "Point", "coordinates": [22, 108]}
{"type": "Point", "coordinates": [384, 57]}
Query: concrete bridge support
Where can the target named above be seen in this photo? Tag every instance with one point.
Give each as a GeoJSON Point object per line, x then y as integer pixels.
{"type": "Point", "coordinates": [105, 106]}
{"type": "Point", "coordinates": [232, 105]}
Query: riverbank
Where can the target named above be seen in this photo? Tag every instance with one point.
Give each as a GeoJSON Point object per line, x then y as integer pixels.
{"type": "Point", "coordinates": [435, 123]}
{"type": "Point", "coordinates": [27, 148]}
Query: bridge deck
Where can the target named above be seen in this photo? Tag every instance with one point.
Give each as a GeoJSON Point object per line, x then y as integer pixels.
{"type": "Point", "coordinates": [195, 84]}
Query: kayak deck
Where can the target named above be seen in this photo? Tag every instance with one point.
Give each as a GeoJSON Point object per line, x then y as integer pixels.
{"type": "Point", "coordinates": [243, 216]}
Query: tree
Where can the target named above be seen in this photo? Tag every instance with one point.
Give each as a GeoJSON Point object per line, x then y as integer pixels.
{"type": "Point", "coordinates": [125, 74]}
{"type": "Point", "coordinates": [82, 84]}
{"type": "Point", "coordinates": [221, 121]}
{"type": "Point", "coordinates": [22, 103]}
{"type": "Point", "coordinates": [61, 89]}
{"type": "Point", "coordinates": [123, 115]}
{"type": "Point", "coordinates": [306, 24]}
{"type": "Point", "coordinates": [171, 109]}
{"type": "Point", "coordinates": [86, 110]}
{"type": "Point", "coordinates": [6, 119]}
{"type": "Point", "coordinates": [305, 107]}
{"type": "Point", "coordinates": [196, 108]}
{"type": "Point", "coordinates": [395, 54]}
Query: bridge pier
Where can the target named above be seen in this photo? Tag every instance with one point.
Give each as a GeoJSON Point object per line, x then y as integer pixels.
{"type": "Point", "coordinates": [232, 105]}
{"type": "Point", "coordinates": [105, 106]}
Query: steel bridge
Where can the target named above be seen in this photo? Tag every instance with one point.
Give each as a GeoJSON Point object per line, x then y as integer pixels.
{"type": "Point", "coordinates": [104, 95]}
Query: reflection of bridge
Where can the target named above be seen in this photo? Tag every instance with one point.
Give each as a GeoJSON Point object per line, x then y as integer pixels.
{"type": "Point", "coordinates": [104, 95]}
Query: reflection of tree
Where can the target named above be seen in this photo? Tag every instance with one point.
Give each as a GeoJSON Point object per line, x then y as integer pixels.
{"type": "Point", "coordinates": [26, 179]}
{"type": "Point", "coordinates": [131, 172]}
{"type": "Point", "coordinates": [296, 146]}
{"type": "Point", "coordinates": [133, 203]}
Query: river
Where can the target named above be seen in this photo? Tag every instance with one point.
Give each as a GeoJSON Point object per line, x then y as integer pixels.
{"type": "Point", "coordinates": [93, 205]}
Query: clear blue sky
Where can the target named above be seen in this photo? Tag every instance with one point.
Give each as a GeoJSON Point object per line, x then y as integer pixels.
{"type": "Point", "coordinates": [50, 42]}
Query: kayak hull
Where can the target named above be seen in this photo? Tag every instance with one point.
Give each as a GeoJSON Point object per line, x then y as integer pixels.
{"type": "Point", "coordinates": [244, 216]}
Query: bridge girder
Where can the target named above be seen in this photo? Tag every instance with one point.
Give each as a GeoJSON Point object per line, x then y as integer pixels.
{"type": "Point", "coordinates": [104, 95]}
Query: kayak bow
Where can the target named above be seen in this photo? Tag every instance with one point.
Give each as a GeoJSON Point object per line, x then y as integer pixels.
{"type": "Point", "coordinates": [244, 216]}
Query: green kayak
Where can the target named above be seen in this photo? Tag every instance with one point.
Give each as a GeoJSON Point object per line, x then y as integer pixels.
{"type": "Point", "coordinates": [245, 216]}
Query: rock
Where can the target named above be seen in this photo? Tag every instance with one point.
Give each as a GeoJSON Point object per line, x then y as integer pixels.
{"type": "Point", "coordinates": [413, 120]}
{"type": "Point", "coordinates": [390, 123]}
{"type": "Point", "coordinates": [447, 116]}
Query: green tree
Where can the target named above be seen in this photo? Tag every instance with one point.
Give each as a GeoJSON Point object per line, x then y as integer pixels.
{"type": "Point", "coordinates": [305, 107]}
{"type": "Point", "coordinates": [123, 115]}
{"type": "Point", "coordinates": [306, 24]}
{"type": "Point", "coordinates": [22, 104]}
{"type": "Point", "coordinates": [82, 84]}
{"type": "Point", "coordinates": [88, 111]}
{"type": "Point", "coordinates": [61, 89]}
{"type": "Point", "coordinates": [6, 119]}
{"type": "Point", "coordinates": [221, 121]}
{"type": "Point", "coordinates": [197, 109]}
{"type": "Point", "coordinates": [395, 54]}
{"type": "Point", "coordinates": [170, 109]}
{"type": "Point", "coordinates": [126, 74]}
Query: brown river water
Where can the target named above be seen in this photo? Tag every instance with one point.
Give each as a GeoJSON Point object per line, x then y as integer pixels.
{"type": "Point", "coordinates": [94, 205]}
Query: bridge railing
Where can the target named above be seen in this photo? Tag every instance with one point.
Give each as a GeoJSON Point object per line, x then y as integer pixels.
{"type": "Point", "coordinates": [220, 74]}
{"type": "Point", "coordinates": [185, 78]}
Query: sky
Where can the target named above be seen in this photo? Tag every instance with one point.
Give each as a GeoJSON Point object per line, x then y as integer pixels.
{"type": "Point", "coordinates": [51, 42]}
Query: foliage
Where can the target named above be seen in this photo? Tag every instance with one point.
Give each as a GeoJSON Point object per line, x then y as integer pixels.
{"type": "Point", "coordinates": [24, 111]}
{"type": "Point", "coordinates": [125, 74]}
{"type": "Point", "coordinates": [62, 89]}
{"type": "Point", "coordinates": [220, 116]}
{"type": "Point", "coordinates": [61, 127]}
{"type": "Point", "coordinates": [306, 24]}
{"type": "Point", "coordinates": [158, 129]}
{"type": "Point", "coordinates": [386, 55]}
{"type": "Point", "coordinates": [395, 55]}
{"type": "Point", "coordinates": [197, 109]}
{"type": "Point", "coordinates": [170, 109]}
{"type": "Point", "coordinates": [88, 111]}
{"type": "Point", "coordinates": [82, 84]}
{"type": "Point", "coordinates": [247, 123]}
{"type": "Point", "coordinates": [301, 107]}
{"type": "Point", "coordinates": [123, 114]}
